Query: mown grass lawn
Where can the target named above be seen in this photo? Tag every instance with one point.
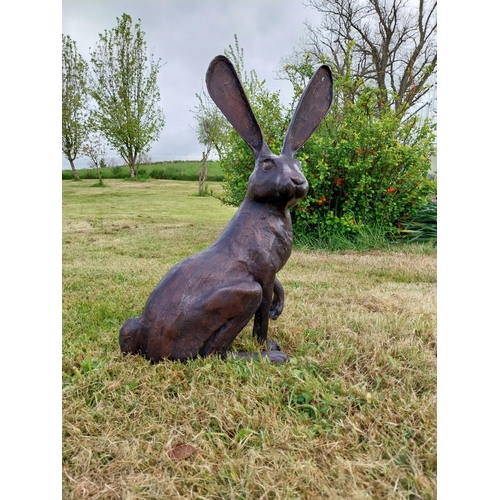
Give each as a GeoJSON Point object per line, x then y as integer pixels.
{"type": "Point", "coordinates": [352, 415]}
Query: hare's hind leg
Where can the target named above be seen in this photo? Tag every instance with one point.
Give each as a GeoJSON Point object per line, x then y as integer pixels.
{"type": "Point", "coordinates": [229, 310]}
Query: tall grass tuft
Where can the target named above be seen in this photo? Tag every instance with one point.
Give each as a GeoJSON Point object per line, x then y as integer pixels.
{"type": "Point", "coordinates": [422, 227]}
{"type": "Point", "coordinates": [368, 238]}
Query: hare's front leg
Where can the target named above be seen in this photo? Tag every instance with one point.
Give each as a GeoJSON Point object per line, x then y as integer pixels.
{"type": "Point", "coordinates": [261, 320]}
{"type": "Point", "coordinates": [271, 306]}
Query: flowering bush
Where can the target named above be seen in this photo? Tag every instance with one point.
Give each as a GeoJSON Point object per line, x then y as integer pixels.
{"type": "Point", "coordinates": [365, 166]}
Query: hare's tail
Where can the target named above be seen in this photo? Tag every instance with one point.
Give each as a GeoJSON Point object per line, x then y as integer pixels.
{"type": "Point", "coordinates": [131, 336]}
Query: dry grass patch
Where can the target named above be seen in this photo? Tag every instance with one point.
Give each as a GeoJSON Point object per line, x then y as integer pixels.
{"type": "Point", "coordinates": [352, 415]}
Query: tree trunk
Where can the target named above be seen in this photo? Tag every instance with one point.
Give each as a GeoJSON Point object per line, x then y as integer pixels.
{"type": "Point", "coordinates": [75, 173]}
{"type": "Point", "coordinates": [131, 162]}
{"type": "Point", "coordinates": [202, 175]}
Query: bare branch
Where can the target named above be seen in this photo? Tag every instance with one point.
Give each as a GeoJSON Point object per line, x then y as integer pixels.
{"type": "Point", "coordinates": [394, 44]}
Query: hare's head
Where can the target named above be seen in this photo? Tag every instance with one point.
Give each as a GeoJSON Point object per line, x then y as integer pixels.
{"type": "Point", "coordinates": [276, 179]}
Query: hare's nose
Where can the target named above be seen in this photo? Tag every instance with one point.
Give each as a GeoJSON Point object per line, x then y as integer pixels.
{"type": "Point", "coordinates": [298, 179]}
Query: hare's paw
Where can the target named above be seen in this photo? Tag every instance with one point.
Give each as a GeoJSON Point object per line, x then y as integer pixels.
{"type": "Point", "coordinates": [275, 356]}
{"type": "Point", "coordinates": [276, 310]}
{"type": "Point", "coordinates": [271, 345]}
{"type": "Point", "coordinates": [278, 301]}
{"type": "Point", "coordinates": [272, 356]}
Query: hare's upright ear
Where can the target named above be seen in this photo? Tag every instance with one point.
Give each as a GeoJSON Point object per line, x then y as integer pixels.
{"type": "Point", "coordinates": [226, 91]}
{"type": "Point", "coordinates": [312, 108]}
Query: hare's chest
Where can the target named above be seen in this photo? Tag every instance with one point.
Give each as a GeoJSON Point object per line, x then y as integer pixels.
{"type": "Point", "coordinates": [277, 241]}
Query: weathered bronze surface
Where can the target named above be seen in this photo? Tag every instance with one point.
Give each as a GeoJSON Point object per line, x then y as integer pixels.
{"type": "Point", "coordinates": [204, 301]}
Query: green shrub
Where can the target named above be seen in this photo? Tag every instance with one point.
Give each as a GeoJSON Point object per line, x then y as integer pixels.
{"type": "Point", "coordinates": [159, 173]}
{"type": "Point", "coordinates": [118, 172]}
{"type": "Point", "coordinates": [178, 170]}
{"type": "Point", "coordinates": [365, 167]}
{"type": "Point", "coordinates": [67, 175]}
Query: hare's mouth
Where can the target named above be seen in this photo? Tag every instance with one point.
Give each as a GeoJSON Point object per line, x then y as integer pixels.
{"type": "Point", "coordinates": [294, 191]}
{"type": "Point", "coordinates": [301, 190]}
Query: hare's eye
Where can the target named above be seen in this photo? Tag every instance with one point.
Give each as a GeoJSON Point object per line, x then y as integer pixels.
{"type": "Point", "coordinates": [268, 165]}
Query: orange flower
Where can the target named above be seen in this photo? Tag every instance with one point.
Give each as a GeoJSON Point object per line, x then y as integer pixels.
{"type": "Point", "coordinates": [392, 190]}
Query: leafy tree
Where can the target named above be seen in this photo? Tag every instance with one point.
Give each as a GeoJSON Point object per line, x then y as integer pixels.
{"type": "Point", "coordinates": [212, 127]}
{"type": "Point", "coordinates": [94, 148]}
{"type": "Point", "coordinates": [389, 44]}
{"type": "Point", "coordinates": [74, 102]}
{"type": "Point", "coordinates": [212, 130]}
{"type": "Point", "coordinates": [125, 90]}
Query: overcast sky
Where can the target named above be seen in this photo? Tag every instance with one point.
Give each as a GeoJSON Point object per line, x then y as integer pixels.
{"type": "Point", "coordinates": [187, 35]}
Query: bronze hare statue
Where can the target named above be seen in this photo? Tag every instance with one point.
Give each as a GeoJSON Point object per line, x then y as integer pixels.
{"type": "Point", "coordinates": [204, 301]}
